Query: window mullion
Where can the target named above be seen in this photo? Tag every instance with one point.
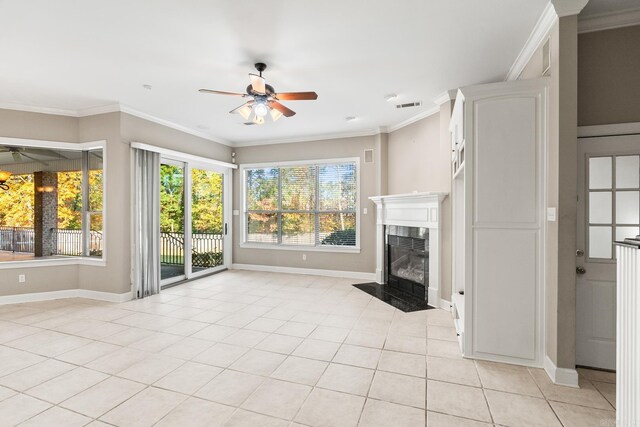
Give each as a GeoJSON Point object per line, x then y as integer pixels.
{"type": "Point", "coordinates": [317, 206]}
{"type": "Point", "coordinates": [279, 207]}
{"type": "Point", "coordinates": [86, 217]}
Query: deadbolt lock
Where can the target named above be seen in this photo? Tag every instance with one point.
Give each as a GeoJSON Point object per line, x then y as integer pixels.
{"type": "Point", "coordinates": [579, 253]}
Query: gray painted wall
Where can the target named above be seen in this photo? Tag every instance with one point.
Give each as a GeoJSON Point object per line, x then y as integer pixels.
{"type": "Point", "coordinates": [608, 82]}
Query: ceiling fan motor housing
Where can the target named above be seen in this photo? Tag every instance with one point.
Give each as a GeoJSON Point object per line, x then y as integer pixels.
{"type": "Point", "coordinates": [268, 89]}
{"type": "Point", "coordinates": [260, 66]}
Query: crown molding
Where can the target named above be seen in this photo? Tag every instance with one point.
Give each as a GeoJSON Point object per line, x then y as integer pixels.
{"type": "Point", "coordinates": [37, 109]}
{"type": "Point", "coordinates": [568, 7]}
{"type": "Point", "coordinates": [411, 120]}
{"type": "Point", "coordinates": [100, 109]}
{"type": "Point", "coordinates": [172, 125]}
{"type": "Point", "coordinates": [112, 108]}
{"type": "Point", "coordinates": [318, 137]}
{"type": "Point", "coordinates": [609, 21]}
{"type": "Point", "coordinates": [115, 107]}
{"type": "Point", "coordinates": [447, 95]}
{"type": "Point", "coordinates": [540, 33]}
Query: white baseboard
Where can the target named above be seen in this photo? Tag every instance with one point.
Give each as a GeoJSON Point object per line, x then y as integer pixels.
{"type": "Point", "coordinates": [561, 376]}
{"type": "Point", "coordinates": [310, 271]}
{"type": "Point", "coordinates": [67, 293]}
{"type": "Point", "coordinates": [445, 305]}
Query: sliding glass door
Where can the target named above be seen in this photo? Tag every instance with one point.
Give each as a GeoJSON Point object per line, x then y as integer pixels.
{"type": "Point", "coordinates": [207, 221]}
{"type": "Point", "coordinates": [194, 219]}
{"type": "Point", "coordinates": [172, 221]}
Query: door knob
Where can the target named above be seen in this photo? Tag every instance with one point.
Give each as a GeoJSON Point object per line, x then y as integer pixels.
{"type": "Point", "coordinates": [580, 270]}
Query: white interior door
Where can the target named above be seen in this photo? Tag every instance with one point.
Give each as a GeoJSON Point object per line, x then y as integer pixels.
{"type": "Point", "coordinates": [608, 210]}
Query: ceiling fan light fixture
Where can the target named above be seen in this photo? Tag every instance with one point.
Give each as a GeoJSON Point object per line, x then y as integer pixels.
{"type": "Point", "coordinates": [259, 120]}
{"type": "Point", "coordinates": [275, 114]}
{"type": "Point", "coordinates": [245, 112]}
{"type": "Point", "coordinates": [261, 109]}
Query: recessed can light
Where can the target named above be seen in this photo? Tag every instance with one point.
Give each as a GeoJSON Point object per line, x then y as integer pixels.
{"type": "Point", "coordinates": [390, 97]}
{"type": "Point", "coordinates": [147, 87]}
{"type": "Point", "coordinates": [350, 118]}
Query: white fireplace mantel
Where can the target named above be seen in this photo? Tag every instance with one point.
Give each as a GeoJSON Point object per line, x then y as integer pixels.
{"type": "Point", "coordinates": [411, 210]}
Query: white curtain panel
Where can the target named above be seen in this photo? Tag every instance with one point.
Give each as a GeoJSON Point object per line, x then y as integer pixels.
{"type": "Point", "coordinates": [147, 223]}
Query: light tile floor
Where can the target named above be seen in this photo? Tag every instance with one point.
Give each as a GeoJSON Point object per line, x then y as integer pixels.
{"type": "Point", "coordinates": [257, 349]}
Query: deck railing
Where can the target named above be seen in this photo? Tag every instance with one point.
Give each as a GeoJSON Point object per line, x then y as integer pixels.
{"type": "Point", "coordinates": [17, 239]}
{"type": "Point", "coordinates": [69, 242]}
{"type": "Point", "coordinates": [206, 248]}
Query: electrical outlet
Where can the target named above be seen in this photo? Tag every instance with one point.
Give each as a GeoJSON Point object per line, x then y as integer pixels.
{"type": "Point", "coordinates": [22, 278]}
{"type": "Point", "coordinates": [304, 257]}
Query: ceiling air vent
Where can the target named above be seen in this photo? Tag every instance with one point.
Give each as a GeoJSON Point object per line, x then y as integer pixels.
{"type": "Point", "coordinates": [409, 104]}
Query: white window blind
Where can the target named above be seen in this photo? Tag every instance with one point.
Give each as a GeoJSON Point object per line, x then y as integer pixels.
{"type": "Point", "coordinates": [302, 205]}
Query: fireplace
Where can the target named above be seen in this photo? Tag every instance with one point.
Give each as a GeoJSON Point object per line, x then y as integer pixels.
{"type": "Point", "coordinates": [408, 244]}
{"type": "Point", "coordinates": [407, 259]}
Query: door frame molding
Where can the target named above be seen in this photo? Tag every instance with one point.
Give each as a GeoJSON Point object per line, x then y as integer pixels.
{"type": "Point", "coordinates": [617, 129]}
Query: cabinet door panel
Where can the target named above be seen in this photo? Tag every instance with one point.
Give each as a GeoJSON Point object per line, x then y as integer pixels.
{"type": "Point", "coordinates": [505, 296]}
{"type": "Point", "coordinates": [506, 158]}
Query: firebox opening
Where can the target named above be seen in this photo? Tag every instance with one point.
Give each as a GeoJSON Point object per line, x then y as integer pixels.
{"type": "Point", "coordinates": [407, 259]}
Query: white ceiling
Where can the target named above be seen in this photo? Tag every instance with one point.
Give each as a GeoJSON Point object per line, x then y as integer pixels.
{"type": "Point", "coordinates": [73, 55]}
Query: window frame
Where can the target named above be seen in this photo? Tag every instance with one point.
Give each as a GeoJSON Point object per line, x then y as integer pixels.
{"type": "Point", "coordinates": [244, 243]}
{"type": "Point", "coordinates": [614, 190]}
{"type": "Point", "coordinates": [71, 260]}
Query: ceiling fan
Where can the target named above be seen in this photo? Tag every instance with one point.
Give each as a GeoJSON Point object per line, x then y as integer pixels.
{"type": "Point", "coordinates": [264, 102]}
{"type": "Point", "coordinates": [21, 153]}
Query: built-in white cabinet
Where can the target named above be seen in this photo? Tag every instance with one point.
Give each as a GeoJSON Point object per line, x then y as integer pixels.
{"type": "Point", "coordinates": [499, 138]}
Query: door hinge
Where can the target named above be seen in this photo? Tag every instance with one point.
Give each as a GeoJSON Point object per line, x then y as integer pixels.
{"type": "Point", "coordinates": [225, 228]}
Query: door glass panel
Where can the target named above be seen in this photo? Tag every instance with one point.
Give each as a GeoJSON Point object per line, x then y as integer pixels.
{"type": "Point", "coordinates": [171, 221]}
{"type": "Point", "coordinates": [600, 173]}
{"type": "Point", "coordinates": [628, 172]}
{"type": "Point", "coordinates": [627, 207]}
{"type": "Point", "coordinates": [600, 207]}
{"type": "Point", "coordinates": [626, 232]}
{"type": "Point", "coordinates": [600, 244]}
{"type": "Point", "coordinates": [207, 222]}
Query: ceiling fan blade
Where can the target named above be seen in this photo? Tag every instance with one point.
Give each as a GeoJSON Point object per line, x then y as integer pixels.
{"type": "Point", "coordinates": [246, 104]}
{"type": "Point", "coordinates": [296, 96]}
{"type": "Point", "coordinates": [284, 110]}
{"type": "Point", "coordinates": [219, 92]}
{"type": "Point", "coordinates": [33, 158]}
{"type": "Point", "coordinates": [257, 83]}
{"type": "Point", "coordinates": [44, 152]}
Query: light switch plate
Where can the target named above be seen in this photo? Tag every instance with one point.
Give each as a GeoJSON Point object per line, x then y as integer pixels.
{"type": "Point", "coordinates": [236, 212]}
{"type": "Point", "coordinates": [551, 214]}
{"type": "Point", "coordinates": [364, 211]}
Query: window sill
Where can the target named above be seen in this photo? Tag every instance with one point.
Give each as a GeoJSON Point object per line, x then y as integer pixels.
{"type": "Point", "coordinates": [51, 262]}
{"type": "Point", "coordinates": [335, 249]}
